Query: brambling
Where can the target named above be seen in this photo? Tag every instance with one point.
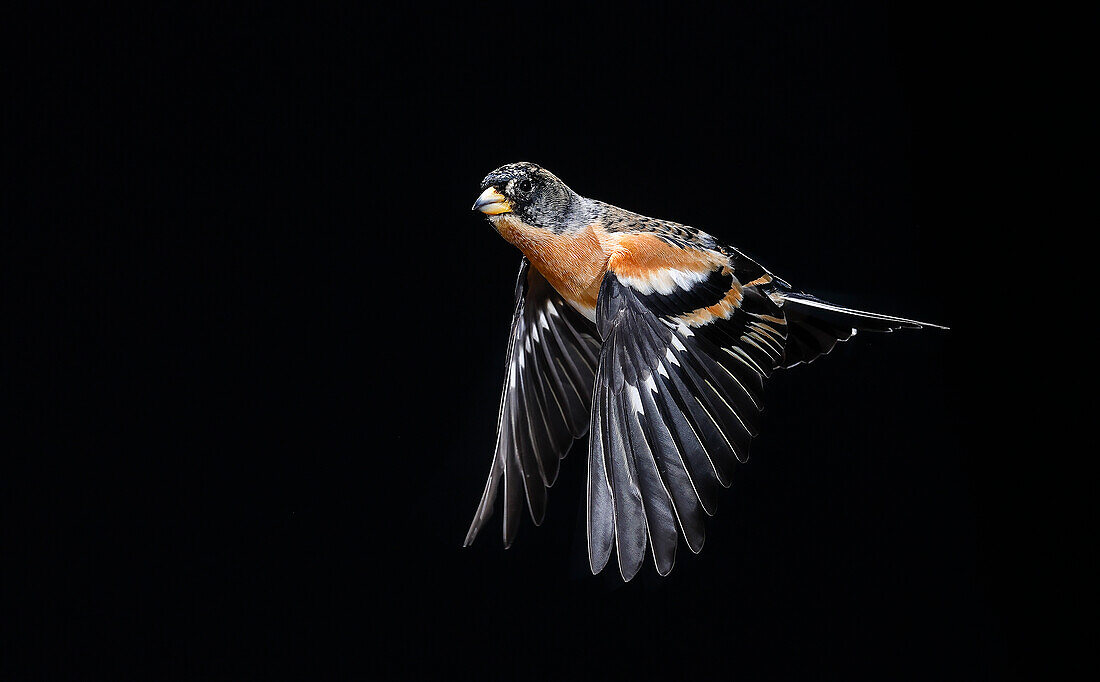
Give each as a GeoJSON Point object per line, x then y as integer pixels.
{"type": "Point", "coordinates": [653, 338]}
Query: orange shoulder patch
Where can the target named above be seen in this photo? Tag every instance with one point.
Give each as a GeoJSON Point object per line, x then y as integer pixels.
{"type": "Point", "coordinates": [720, 310]}
{"type": "Point", "coordinates": [640, 255]}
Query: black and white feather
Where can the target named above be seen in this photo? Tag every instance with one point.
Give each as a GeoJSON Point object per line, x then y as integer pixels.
{"type": "Point", "coordinates": [674, 409]}
{"type": "Point", "coordinates": [545, 404]}
{"type": "Point", "coordinates": [668, 382]}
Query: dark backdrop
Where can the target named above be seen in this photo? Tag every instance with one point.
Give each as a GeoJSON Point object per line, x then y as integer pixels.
{"type": "Point", "coordinates": [266, 337]}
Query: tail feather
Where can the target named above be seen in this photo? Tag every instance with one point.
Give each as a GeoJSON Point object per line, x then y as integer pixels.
{"type": "Point", "coordinates": [815, 326]}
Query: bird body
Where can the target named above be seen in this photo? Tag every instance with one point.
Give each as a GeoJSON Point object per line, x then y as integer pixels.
{"type": "Point", "coordinates": [646, 251]}
{"type": "Point", "coordinates": [654, 339]}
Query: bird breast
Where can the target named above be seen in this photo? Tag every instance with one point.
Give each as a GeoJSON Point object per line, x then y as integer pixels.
{"type": "Point", "coordinates": [573, 262]}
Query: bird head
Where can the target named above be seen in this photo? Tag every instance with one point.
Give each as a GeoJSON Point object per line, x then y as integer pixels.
{"type": "Point", "coordinates": [526, 192]}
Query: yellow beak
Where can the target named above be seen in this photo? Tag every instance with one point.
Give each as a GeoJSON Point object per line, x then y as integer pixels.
{"type": "Point", "coordinates": [492, 202]}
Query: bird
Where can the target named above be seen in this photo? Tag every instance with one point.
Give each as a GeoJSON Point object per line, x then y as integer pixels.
{"type": "Point", "coordinates": [652, 338]}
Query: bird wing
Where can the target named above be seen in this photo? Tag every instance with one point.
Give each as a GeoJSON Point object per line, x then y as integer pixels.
{"type": "Point", "coordinates": [685, 352]}
{"type": "Point", "coordinates": [545, 403]}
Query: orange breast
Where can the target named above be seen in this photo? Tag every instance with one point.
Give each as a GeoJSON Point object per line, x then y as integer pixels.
{"type": "Point", "coordinates": [573, 263]}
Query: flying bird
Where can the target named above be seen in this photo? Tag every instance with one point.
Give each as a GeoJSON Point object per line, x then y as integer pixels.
{"type": "Point", "coordinates": [655, 340]}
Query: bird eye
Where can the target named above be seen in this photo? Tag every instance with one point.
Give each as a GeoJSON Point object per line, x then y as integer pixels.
{"type": "Point", "coordinates": [525, 185]}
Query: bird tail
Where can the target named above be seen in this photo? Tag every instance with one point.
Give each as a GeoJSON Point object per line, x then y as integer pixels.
{"type": "Point", "coordinates": [815, 326]}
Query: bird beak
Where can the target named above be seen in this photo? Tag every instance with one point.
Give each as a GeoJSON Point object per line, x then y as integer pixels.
{"type": "Point", "coordinates": [492, 202]}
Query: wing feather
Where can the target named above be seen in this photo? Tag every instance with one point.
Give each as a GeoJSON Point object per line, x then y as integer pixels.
{"type": "Point", "coordinates": [668, 461]}
{"type": "Point", "coordinates": [630, 520]}
{"type": "Point", "coordinates": [667, 383]}
{"type": "Point", "coordinates": [674, 411]}
{"type": "Point", "coordinates": [601, 504]}
{"type": "Point", "coordinates": [545, 402]}
{"type": "Point", "coordinates": [661, 526]}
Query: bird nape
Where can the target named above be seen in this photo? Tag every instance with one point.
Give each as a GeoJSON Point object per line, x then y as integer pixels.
{"type": "Point", "coordinates": [652, 338]}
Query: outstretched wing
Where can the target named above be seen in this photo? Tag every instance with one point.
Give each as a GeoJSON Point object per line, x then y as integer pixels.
{"type": "Point", "coordinates": [545, 404]}
{"type": "Point", "coordinates": [815, 326]}
{"type": "Point", "coordinates": [685, 351]}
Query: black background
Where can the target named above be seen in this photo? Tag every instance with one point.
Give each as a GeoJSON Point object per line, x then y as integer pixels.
{"type": "Point", "coordinates": [264, 338]}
